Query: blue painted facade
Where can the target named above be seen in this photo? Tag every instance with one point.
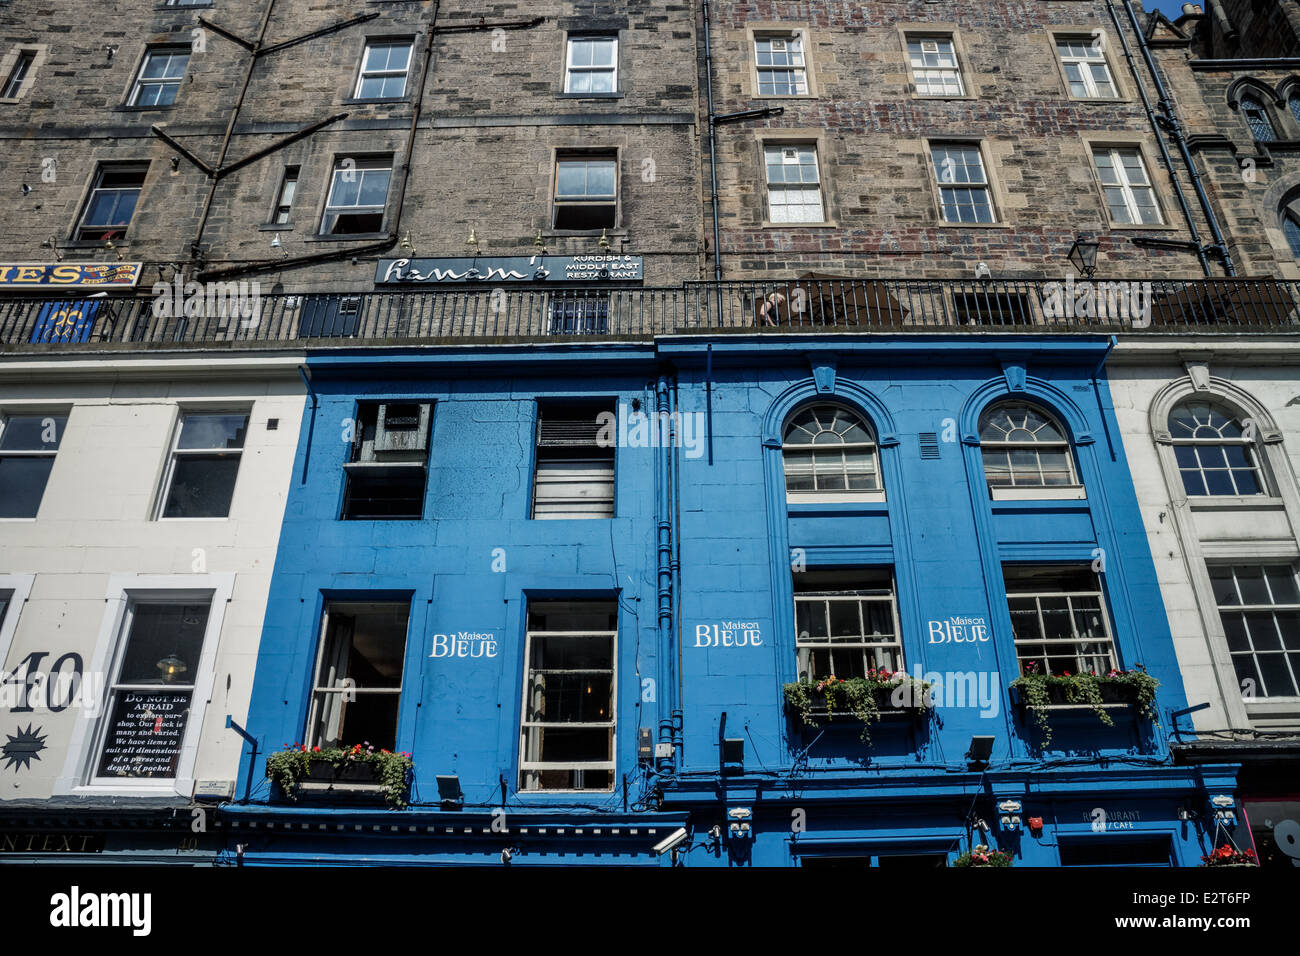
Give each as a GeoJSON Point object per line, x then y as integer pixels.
{"type": "Point", "coordinates": [702, 538]}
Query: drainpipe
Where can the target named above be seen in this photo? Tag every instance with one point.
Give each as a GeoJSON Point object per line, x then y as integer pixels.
{"type": "Point", "coordinates": [678, 691]}
{"type": "Point", "coordinates": [1175, 128]}
{"type": "Point", "coordinates": [665, 653]}
{"type": "Point", "coordinates": [1096, 389]}
{"type": "Point", "coordinates": [1160, 142]}
{"type": "Point", "coordinates": [713, 158]}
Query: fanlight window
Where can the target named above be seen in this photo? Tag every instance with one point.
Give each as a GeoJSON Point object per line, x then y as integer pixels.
{"type": "Point", "coordinates": [1024, 447]}
{"type": "Point", "coordinates": [830, 452]}
{"type": "Point", "coordinates": [1214, 450]}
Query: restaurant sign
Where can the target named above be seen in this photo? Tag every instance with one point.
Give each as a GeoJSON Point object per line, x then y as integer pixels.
{"type": "Point", "coordinates": [52, 276]}
{"type": "Point", "coordinates": [599, 268]}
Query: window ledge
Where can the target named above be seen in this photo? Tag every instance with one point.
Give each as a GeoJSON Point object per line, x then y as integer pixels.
{"type": "Point", "coordinates": [143, 109]}
{"type": "Point", "coordinates": [943, 224]}
{"type": "Point", "coordinates": [274, 227]}
{"type": "Point", "coordinates": [1232, 502]}
{"type": "Point", "coordinates": [380, 100]}
{"type": "Point", "coordinates": [1100, 100]}
{"type": "Point", "coordinates": [1273, 707]}
{"type": "Point", "coordinates": [1141, 227]}
{"type": "Point", "coordinates": [350, 237]}
{"type": "Point", "coordinates": [836, 500]}
{"type": "Point", "coordinates": [786, 96]}
{"type": "Point", "coordinates": [1055, 493]}
{"type": "Point", "coordinates": [91, 243]}
{"type": "Point", "coordinates": [616, 233]}
{"type": "Point", "coordinates": [589, 96]}
{"type": "Point", "coordinates": [943, 99]}
{"type": "Point", "coordinates": [828, 224]}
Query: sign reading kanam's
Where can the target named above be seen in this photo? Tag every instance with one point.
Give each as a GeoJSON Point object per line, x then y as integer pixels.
{"type": "Point", "coordinates": [597, 268]}
{"type": "Point", "coordinates": [43, 276]}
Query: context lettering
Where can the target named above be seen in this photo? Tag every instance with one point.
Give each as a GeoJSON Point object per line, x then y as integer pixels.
{"type": "Point", "coordinates": [465, 644]}
{"type": "Point", "coordinates": [729, 634]}
{"type": "Point", "coordinates": [959, 630]}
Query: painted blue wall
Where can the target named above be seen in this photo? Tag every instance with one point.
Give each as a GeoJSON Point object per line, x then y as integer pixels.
{"type": "Point", "coordinates": [724, 502]}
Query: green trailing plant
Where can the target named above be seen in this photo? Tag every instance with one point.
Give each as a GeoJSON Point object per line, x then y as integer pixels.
{"type": "Point", "coordinates": [981, 855]}
{"type": "Point", "coordinates": [859, 696]}
{"type": "Point", "coordinates": [1036, 689]}
{"type": "Point", "coordinates": [289, 767]}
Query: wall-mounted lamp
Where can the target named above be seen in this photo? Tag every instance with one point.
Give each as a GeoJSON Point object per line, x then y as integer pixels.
{"type": "Point", "coordinates": [53, 243]}
{"type": "Point", "coordinates": [981, 749]}
{"type": "Point", "coordinates": [276, 243]}
{"type": "Point", "coordinates": [111, 51]}
{"type": "Point", "coordinates": [983, 272]}
{"type": "Point", "coordinates": [26, 189]}
{"type": "Point", "coordinates": [450, 795]}
{"type": "Point", "coordinates": [733, 755]}
{"type": "Point", "coordinates": [110, 247]}
{"type": "Point", "coordinates": [603, 241]}
{"type": "Point", "coordinates": [406, 245]}
{"type": "Point", "coordinates": [1084, 255]}
{"type": "Point", "coordinates": [539, 243]}
{"type": "Point", "coordinates": [473, 242]}
{"type": "Point", "coordinates": [176, 163]}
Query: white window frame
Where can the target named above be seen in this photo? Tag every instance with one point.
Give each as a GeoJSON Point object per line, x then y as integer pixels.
{"type": "Point", "coordinates": [20, 588]}
{"type": "Point", "coordinates": [570, 68]}
{"type": "Point", "coordinates": [872, 651]}
{"type": "Point", "coordinates": [1085, 63]}
{"type": "Point", "coordinates": [1074, 640]}
{"type": "Point", "coordinates": [372, 164]}
{"type": "Point", "coordinates": [984, 184]}
{"type": "Point", "coordinates": [97, 187]}
{"type": "Point", "coordinates": [311, 734]}
{"type": "Point", "coordinates": [588, 198]}
{"type": "Point", "coordinates": [19, 412]}
{"type": "Point", "coordinates": [838, 495]}
{"type": "Point", "coordinates": [1072, 491]}
{"type": "Point", "coordinates": [1271, 609]}
{"type": "Point", "coordinates": [24, 64]}
{"type": "Point", "coordinates": [798, 67]}
{"type": "Point", "coordinates": [785, 149]}
{"type": "Point", "coordinates": [1179, 441]}
{"type": "Point", "coordinates": [125, 590]}
{"type": "Point", "coordinates": [611, 765]}
{"type": "Point", "coordinates": [174, 452]}
{"type": "Point", "coordinates": [1128, 188]}
{"type": "Point", "coordinates": [141, 81]}
{"type": "Point", "coordinates": [606, 462]}
{"type": "Point", "coordinates": [366, 73]}
{"type": "Point", "coordinates": [282, 212]}
{"type": "Point", "coordinates": [931, 71]}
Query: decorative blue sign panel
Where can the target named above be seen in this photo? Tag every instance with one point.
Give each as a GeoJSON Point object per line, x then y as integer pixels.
{"type": "Point", "coordinates": [66, 321]}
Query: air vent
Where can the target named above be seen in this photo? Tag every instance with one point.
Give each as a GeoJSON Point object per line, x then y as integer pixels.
{"type": "Point", "coordinates": [929, 444]}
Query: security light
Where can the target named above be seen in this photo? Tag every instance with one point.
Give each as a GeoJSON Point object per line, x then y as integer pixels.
{"type": "Point", "coordinates": [449, 792]}
{"type": "Point", "coordinates": [981, 748]}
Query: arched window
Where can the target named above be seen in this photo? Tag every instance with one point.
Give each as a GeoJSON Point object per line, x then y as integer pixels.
{"type": "Point", "coordinates": [1261, 127]}
{"type": "Point", "coordinates": [1025, 448]}
{"type": "Point", "coordinates": [1214, 450]}
{"type": "Point", "coordinates": [830, 454]}
{"type": "Point", "coordinates": [1293, 104]}
{"type": "Point", "coordinates": [1291, 228]}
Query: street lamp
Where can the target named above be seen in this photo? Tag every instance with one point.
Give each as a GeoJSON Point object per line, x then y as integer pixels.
{"type": "Point", "coordinates": [1084, 255]}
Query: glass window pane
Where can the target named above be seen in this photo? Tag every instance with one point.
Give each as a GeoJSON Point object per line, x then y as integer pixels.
{"type": "Point", "coordinates": [202, 486]}
{"type": "Point", "coordinates": [165, 643]}
{"type": "Point", "coordinates": [213, 431]}
{"type": "Point", "coordinates": [22, 485]}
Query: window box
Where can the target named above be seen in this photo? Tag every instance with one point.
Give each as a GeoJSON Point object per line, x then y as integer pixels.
{"type": "Point", "coordinates": [981, 855]}
{"type": "Point", "coordinates": [864, 699]}
{"type": "Point", "coordinates": [1047, 693]}
{"type": "Point", "coordinates": [353, 770]}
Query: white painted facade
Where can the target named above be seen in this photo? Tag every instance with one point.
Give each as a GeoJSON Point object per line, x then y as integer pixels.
{"type": "Point", "coordinates": [1260, 380]}
{"type": "Point", "coordinates": [95, 548]}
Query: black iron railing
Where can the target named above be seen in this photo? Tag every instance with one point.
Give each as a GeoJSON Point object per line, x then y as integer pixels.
{"type": "Point", "coordinates": [237, 313]}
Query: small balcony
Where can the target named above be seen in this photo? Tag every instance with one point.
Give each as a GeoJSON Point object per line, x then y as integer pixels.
{"type": "Point", "coordinates": [238, 315]}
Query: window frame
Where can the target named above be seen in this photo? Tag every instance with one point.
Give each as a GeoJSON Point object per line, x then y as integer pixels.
{"type": "Point", "coordinates": [356, 466]}
{"type": "Point", "coordinates": [80, 226]}
{"type": "Point", "coordinates": [1127, 188]}
{"type": "Point", "coordinates": [939, 36]}
{"type": "Point", "coordinates": [328, 210]}
{"type": "Point", "coordinates": [1265, 117]}
{"type": "Point", "coordinates": [598, 406]}
{"type": "Point", "coordinates": [84, 747]}
{"type": "Point", "coordinates": [1073, 491]}
{"type": "Point", "coordinates": [1086, 36]}
{"type": "Point", "coordinates": [39, 413]}
{"type": "Point", "coordinates": [290, 177]}
{"type": "Point", "coordinates": [174, 451]}
{"type": "Point", "coordinates": [569, 68]}
{"type": "Point", "coordinates": [769, 145]}
{"type": "Point", "coordinates": [846, 594]}
{"type": "Point", "coordinates": [17, 587]}
{"type": "Point", "coordinates": [362, 73]}
{"type": "Point", "coordinates": [311, 733]}
{"type": "Point", "coordinates": [141, 81]}
{"type": "Point", "coordinates": [1290, 655]}
{"type": "Point", "coordinates": [609, 765]}
{"type": "Point", "coordinates": [793, 33]}
{"type": "Point", "coordinates": [611, 155]}
{"type": "Point", "coordinates": [18, 75]}
{"type": "Point", "coordinates": [835, 496]}
{"type": "Point", "coordinates": [1044, 642]}
{"type": "Point", "coordinates": [1257, 461]}
{"type": "Point", "coordinates": [987, 185]}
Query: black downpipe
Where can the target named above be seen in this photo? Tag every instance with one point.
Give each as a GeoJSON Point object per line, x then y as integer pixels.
{"type": "Point", "coordinates": [1160, 141]}
{"type": "Point", "coordinates": [713, 156]}
{"type": "Point", "coordinates": [1176, 131]}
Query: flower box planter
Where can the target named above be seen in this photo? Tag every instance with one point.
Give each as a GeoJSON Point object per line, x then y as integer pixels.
{"type": "Point", "coordinates": [1048, 695]}
{"type": "Point", "coordinates": [859, 701]}
{"type": "Point", "coordinates": [342, 775]}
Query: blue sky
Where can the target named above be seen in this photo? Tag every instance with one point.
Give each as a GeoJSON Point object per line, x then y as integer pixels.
{"type": "Point", "coordinates": [1171, 8]}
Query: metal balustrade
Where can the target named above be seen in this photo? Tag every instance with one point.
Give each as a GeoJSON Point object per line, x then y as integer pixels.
{"type": "Point", "coordinates": [810, 304]}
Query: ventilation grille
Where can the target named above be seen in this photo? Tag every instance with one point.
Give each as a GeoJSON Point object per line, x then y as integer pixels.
{"type": "Point", "coordinates": [569, 425]}
{"type": "Point", "coordinates": [929, 444]}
